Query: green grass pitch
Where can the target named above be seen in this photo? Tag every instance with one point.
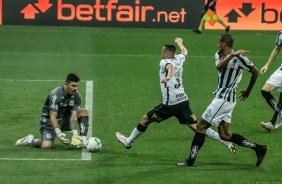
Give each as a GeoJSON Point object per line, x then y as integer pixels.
{"type": "Point", "coordinates": [123, 65]}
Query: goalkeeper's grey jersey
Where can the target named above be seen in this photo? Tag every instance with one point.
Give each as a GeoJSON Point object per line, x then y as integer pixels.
{"type": "Point", "coordinates": [58, 102]}
{"type": "Point", "coordinates": [173, 91]}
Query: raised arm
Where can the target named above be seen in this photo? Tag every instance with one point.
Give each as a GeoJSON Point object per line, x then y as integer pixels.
{"type": "Point", "coordinates": [272, 56]}
{"type": "Point", "coordinates": [182, 48]}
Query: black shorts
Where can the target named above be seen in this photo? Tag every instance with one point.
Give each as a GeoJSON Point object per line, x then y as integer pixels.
{"type": "Point", "coordinates": [181, 111]}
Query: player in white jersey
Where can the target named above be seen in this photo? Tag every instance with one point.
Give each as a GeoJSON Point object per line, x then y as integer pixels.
{"type": "Point", "coordinates": [61, 112]}
{"type": "Point", "coordinates": [175, 100]}
{"type": "Point", "coordinates": [230, 66]}
{"type": "Point", "coordinates": [273, 82]}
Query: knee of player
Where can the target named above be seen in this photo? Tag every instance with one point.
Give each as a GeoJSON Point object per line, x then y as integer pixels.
{"type": "Point", "coordinates": [224, 136]}
{"type": "Point", "coordinates": [46, 145]}
{"type": "Point", "coordinates": [83, 112]}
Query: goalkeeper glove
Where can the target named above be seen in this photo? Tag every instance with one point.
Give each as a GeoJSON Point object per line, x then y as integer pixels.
{"type": "Point", "coordinates": [76, 139]}
{"type": "Point", "coordinates": [61, 136]}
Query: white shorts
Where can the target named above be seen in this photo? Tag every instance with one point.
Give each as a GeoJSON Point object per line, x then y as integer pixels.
{"type": "Point", "coordinates": [276, 79]}
{"type": "Point", "coordinates": [219, 110]}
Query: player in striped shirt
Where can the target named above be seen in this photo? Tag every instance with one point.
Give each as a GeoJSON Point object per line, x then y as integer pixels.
{"type": "Point", "coordinates": [273, 82]}
{"type": "Point", "coordinates": [230, 66]}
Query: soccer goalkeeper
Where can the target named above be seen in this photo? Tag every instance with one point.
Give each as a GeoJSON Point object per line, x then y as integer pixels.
{"type": "Point", "coordinates": [211, 4]}
{"type": "Point", "coordinates": [61, 112]}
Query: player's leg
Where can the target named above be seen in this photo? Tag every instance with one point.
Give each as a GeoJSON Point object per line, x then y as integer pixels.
{"type": "Point", "coordinates": [266, 93]}
{"type": "Point", "coordinates": [238, 139]}
{"type": "Point", "coordinates": [187, 117]}
{"type": "Point", "coordinates": [274, 82]}
{"type": "Point", "coordinates": [157, 114]}
{"type": "Point", "coordinates": [83, 121]}
{"type": "Point", "coordinates": [197, 143]}
{"type": "Point", "coordinates": [47, 141]}
{"type": "Point", "coordinates": [227, 27]}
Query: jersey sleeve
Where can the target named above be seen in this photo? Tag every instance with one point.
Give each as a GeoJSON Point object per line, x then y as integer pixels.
{"type": "Point", "coordinates": [54, 101]}
{"type": "Point", "coordinates": [77, 102]}
{"type": "Point", "coordinates": [245, 63]}
{"type": "Point", "coordinates": [279, 39]}
{"type": "Point", "coordinates": [180, 57]}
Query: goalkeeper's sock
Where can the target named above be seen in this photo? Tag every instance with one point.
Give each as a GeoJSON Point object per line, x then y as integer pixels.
{"type": "Point", "coordinates": [137, 131]}
{"type": "Point", "coordinates": [83, 125]}
{"type": "Point", "coordinates": [36, 143]}
{"type": "Point", "coordinates": [242, 141]}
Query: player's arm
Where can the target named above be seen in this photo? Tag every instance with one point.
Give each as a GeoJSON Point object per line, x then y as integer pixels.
{"type": "Point", "coordinates": [76, 139]}
{"type": "Point", "coordinates": [61, 136]}
{"type": "Point", "coordinates": [222, 63]}
{"type": "Point", "coordinates": [272, 56]}
{"type": "Point", "coordinates": [246, 92]}
{"type": "Point", "coordinates": [170, 69]}
{"type": "Point", "coordinates": [179, 42]}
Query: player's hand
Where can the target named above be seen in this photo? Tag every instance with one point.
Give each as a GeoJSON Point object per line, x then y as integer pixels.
{"type": "Point", "coordinates": [165, 80]}
{"type": "Point", "coordinates": [239, 52]}
{"type": "Point", "coordinates": [178, 40]}
{"type": "Point", "coordinates": [244, 95]}
{"type": "Point", "coordinates": [61, 136]}
{"type": "Point", "coordinates": [263, 69]}
{"type": "Point", "coordinates": [76, 140]}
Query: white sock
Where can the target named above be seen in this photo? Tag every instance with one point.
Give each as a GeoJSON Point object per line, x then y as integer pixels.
{"type": "Point", "coordinates": [214, 135]}
{"type": "Point", "coordinates": [134, 135]}
{"type": "Point", "coordinates": [84, 138]}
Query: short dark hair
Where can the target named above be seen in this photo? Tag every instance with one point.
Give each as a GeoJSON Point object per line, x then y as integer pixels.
{"type": "Point", "coordinates": [227, 39]}
{"type": "Point", "coordinates": [171, 49]}
{"type": "Point", "coordinates": [72, 78]}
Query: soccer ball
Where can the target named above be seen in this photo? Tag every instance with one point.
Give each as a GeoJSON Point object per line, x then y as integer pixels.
{"type": "Point", "coordinates": [93, 144]}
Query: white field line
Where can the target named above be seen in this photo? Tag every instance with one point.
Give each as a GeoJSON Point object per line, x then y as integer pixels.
{"type": "Point", "coordinates": [88, 104]}
{"type": "Point", "coordinates": [86, 155]}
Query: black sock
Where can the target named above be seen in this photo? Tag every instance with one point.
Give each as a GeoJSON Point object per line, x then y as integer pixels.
{"type": "Point", "coordinates": [83, 125]}
{"type": "Point", "coordinates": [277, 110]}
{"type": "Point", "coordinates": [36, 144]}
{"type": "Point", "coordinates": [242, 141]}
{"type": "Point", "coordinates": [197, 143]}
{"type": "Point", "coordinates": [141, 128]}
{"type": "Point", "coordinates": [269, 99]}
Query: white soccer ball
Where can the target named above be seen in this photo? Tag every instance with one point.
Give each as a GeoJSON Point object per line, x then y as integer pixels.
{"type": "Point", "coordinates": [93, 144]}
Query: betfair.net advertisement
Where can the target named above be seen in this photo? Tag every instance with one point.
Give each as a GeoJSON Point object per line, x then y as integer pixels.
{"type": "Point", "coordinates": [239, 14]}
{"type": "Point", "coordinates": [106, 13]}
{"type": "Point", "coordinates": [249, 14]}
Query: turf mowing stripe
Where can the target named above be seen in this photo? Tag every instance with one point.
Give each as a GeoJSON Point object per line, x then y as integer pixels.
{"type": "Point", "coordinates": [109, 55]}
{"type": "Point", "coordinates": [86, 155]}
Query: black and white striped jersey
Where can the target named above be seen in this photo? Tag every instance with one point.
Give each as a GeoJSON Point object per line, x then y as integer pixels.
{"type": "Point", "coordinates": [279, 39]}
{"type": "Point", "coordinates": [230, 76]}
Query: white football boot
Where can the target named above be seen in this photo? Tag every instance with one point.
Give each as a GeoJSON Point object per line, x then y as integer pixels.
{"type": "Point", "coordinates": [24, 141]}
{"type": "Point", "coordinates": [231, 147]}
{"type": "Point", "coordinates": [278, 122]}
{"type": "Point", "coordinates": [122, 139]}
{"type": "Point", "coordinates": [267, 126]}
